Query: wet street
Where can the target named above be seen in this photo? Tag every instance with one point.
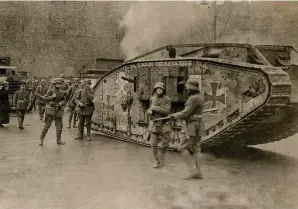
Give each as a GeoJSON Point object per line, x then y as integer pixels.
{"type": "Point", "coordinates": [110, 174]}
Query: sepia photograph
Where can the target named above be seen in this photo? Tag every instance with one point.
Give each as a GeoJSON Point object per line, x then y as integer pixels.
{"type": "Point", "coordinates": [149, 104]}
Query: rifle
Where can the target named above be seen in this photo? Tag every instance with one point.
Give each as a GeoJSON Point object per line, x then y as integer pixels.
{"type": "Point", "coordinates": [168, 118]}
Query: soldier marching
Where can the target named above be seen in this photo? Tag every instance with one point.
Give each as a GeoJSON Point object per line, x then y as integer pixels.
{"type": "Point", "coordinates": [79, 98]}
{"type": "Point", "coordinates": [40, 92]}
{"type": "Point", "coordinates": [72, 105]}
{"type": "Point", "coordinates": [85, 107]}
{"type": "Point", "coordinates": [21, 102]}
{"type": "Point", "coordinates": [55, 99]}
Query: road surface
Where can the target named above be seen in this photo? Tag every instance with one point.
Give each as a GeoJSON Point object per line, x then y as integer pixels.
{"type": "Point", "coordinates": [111, 174]}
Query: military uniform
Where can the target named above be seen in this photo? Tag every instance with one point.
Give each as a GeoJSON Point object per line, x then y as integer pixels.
{"type": "Point", "coordinates": [72, 105]}
{"type": "Point", "coordinates": [160, 130]}
{"type": "Point", "coordinates": [64, 86]}
{"type": "Point", "coordinates": [55, 99]}
{"type": "Point", "coordinates": [195, 126]}
{"type": "Point", "coordinates": [85, 107]}
{"type": "Point", "coordinates": [40, 92]}
{"type": "Point", "coordinates": [4, 104]}
{"type": "Point", "coordinates": [21, 101]}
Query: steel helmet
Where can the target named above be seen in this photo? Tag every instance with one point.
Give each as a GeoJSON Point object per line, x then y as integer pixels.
{"type": "Point", "coordinates": [57, 81]}
{"type": "Point", "coordinates": [192, 84]}
{"type": "Point", "coordinates": [87, 81]}
{"type": "Point", "coordinates": [159, 85]}
{"type": "Point", "coordinates": [3, 83]}
{"type": "Point", "coordinates": [23, 82]}
{"type": "Point", "coordinates": [76, 79]}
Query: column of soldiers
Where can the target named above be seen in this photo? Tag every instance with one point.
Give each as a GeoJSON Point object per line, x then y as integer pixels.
{"type": "Point", "coordinates": [79, 97]}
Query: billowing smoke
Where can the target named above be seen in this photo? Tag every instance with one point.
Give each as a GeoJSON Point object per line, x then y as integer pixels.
{"type": "Point", "coordinates": [150, 25]}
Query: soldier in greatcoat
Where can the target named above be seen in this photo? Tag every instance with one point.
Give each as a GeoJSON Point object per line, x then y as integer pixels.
{"type": "Point", "coordinates": [191, 113]}
{"type": "Point", "coordinates": [72, 105]}
{"type": "Point", "coordinates": [4, 103]}
{"type": "Point", "coordinates": [160, 130]}
{"type": "Point", "coordinates": [84, 99]}
{"type": "Point", "coordinates": [40, 92]}
{"type": "Point", "coordinates": [21, 101]}
{"type": "Point", "coordinates": [55, 99]}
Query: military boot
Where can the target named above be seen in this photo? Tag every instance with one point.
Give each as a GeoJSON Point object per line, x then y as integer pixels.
{"type": "Point", "coordinates": [156, 164]}
{"type": "Point", "coordinates": [162, 153]}
{"type": "Point", "coordinates": [21, 119]}
{"type": "Point", "coordinates": [74, 120]}
{"type": "Point", "coordinates": [69, 121]}
{"type": "Point", "coordinates": [43, 135]}
{"type": "Point", "coordinates": [59, 133]}
{"type": "Point", "coordinates": [88, 133]}
{"type": "Point", "coordinates": [80, 133]}
{"type": "Point", "coordinates": [194, 173]}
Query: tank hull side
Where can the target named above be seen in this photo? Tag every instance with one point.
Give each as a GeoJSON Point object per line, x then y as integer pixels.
{"type": "Point", "coordinates": [238, 91]}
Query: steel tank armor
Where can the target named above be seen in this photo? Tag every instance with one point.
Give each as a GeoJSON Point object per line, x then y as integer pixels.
{"type": "Point", "coordinates": [252, 88]}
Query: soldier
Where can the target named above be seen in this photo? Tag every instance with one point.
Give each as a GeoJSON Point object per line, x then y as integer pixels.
{"type": "Point", "coordinates": [84, 98]}
{"type": "Point", "coordinates": [72, 105]}
{"type": "Point", "coordinates": [55, 99]}
{"type": "Point", "coordinates": [64, 86]}
{"type": "Point", "coordinates": [4, 103]}
{"type": "Point", "coordinates": [21, 101]}
{"type": "Point", "coordinates": [160, 130]}
{"type": "Point", "coordinates": [191, 114]}
{"type": "Point", "coordinates": [40, 92]}
{"type": "Point", "coordinates": [36, 84]}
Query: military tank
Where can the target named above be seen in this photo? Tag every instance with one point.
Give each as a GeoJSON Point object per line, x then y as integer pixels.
{"type": "Point", "coordinates": [252, 91]}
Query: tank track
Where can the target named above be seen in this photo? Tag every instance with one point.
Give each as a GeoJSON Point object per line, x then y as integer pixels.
{"type": "Point", "coordinates": [284, 128]}
{"type": "Point", "coordinates": [238, 133]}
{"type": "Point", "coordinates": [241, 132]}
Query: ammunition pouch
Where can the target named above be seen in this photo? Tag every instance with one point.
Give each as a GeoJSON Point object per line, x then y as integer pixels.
{"type": "Point", "coordinates": [54, 109]}
{"type": "Point", "coordinates": [195, 125]}
{"type": "Point", "coordinates": [22, 104]}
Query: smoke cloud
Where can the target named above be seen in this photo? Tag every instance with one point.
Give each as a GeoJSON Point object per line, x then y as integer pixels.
{"type": "Point", "coordinates": [150, 25]}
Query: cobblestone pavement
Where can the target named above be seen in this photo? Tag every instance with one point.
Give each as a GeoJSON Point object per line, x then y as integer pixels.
{"type": "Point", "coordinates": [110, 174]}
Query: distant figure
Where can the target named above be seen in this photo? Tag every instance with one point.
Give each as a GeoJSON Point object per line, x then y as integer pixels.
{"type": "Point", "coordinates": [172, 52]}
{"type": "Point", "coordinates": [71, 105]}
{"type": "Point", "coordinates": [84, 99]}
{"type": "Point", "coordinates": [40, 92]}
{"type": "Point", "coordinates": [64, 86]}
{"type": "Point", "coordinates": [21, 101]}
{"type": "Point", "coordinates": [4, 103]}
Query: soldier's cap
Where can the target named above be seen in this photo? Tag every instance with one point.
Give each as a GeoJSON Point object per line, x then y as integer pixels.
{"type": "Point", "coordinates": [57, 81]}
{"type": "Point", "coordinates": [43, 80]}
{"type": "Point", "coordinates": [159, 85]}
{"type": "Point", "coordinates": [62, 76]}
{"type": "Point", "coordinates": [76, 79]}
{"type": "Point", "coordinates": [36, 81]}
{"type": "Point", "coordinates": [192, 84]}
